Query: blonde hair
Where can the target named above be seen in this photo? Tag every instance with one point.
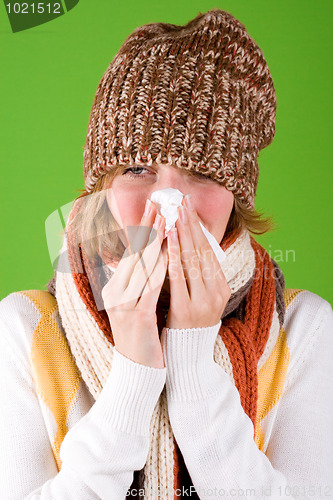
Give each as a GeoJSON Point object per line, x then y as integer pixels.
{"type": "Point", "coordinates": [97, 230]}
{"type": "Point", "coordinates": [242, 217]}
{"type": "Point", "coordinates": [94, 226]}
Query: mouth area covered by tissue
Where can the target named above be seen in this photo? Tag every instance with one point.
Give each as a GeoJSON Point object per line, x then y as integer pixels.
{"type": "Point", "coordinates": [167, 202]}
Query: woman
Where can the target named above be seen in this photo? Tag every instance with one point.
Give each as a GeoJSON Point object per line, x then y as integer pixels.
{"type": "Point", "coordinates": [149, 369]}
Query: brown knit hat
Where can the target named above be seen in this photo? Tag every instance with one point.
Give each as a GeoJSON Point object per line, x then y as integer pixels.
{"type": "Point", "coordinates": [198, 96]}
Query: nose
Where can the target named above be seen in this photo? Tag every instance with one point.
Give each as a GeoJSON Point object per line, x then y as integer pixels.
{"type": "Point", "coordinates": [170, 176]}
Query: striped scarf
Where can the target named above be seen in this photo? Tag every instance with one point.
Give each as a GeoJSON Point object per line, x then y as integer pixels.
{"type": "Point", "coordinates": [250, 328]}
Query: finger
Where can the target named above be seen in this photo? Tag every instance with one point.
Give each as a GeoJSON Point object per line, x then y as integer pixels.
{"type": "Point", "coordinates": [138, 276]}
{"type": "Point", "coordinates": [140, 285]}
{"type": "Point", "coordinates": [189, 254]}
{"type": "Point", "coordinates": [138, 241]}
{"type": "Point", "coordinates": [210, 267]}
{"type": "Point", "coordinates": [138, 236]}
{"type": "Point", "coordinates": [177, 281]}
{"type": "Point", "coordinates": [150, 293]}
{"type": "Point", "coordinates": [148, 259]}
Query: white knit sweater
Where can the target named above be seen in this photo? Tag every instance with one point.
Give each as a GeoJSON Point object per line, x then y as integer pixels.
{"type": "Point", "coordinates": [109, 439]}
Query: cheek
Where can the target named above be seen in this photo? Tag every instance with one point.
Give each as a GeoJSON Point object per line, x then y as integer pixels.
{"type": "Point", "coordinates": [126, 208]}
{"type": "Point", "coordinates": [214, 204]}
{"type": "Point", "coordinates": [214, 209]}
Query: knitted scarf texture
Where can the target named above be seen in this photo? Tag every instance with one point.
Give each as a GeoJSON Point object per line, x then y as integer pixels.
{"type": "Point", "coordinates": [250, 327]}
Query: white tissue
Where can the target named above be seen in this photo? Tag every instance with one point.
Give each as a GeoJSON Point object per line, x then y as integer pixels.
{"type": "Point", "coordinates": [167, 201]}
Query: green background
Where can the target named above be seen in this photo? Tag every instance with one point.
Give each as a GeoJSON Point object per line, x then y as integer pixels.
{"type": "Point", "coordinates": [49, 75]}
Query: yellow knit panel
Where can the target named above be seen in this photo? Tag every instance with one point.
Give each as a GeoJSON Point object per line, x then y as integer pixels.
{"type": "Point", "coordinates": [56, 375]}
{"type": "Point", "coordinates": [271, 379]}
{"type": "Point", "coordinates": [271, 376]}
{"type": "Point", "coordinates": [290, 294]}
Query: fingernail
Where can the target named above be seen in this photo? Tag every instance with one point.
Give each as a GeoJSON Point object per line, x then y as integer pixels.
{"type": "Point", "coordinates": [147, 208]}
{"type": "Point", "coordinates": [157, 222]}
{"type": "Point", "coordinates": [189, 202]}
{"type": "Point", "coordinates": [183, 215]}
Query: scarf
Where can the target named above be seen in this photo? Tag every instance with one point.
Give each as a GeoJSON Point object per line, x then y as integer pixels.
{"type": "Point", "coordinates": [251, 324]}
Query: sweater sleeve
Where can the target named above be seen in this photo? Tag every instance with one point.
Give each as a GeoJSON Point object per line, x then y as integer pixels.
{"type": "Point", "coordinates": [99, 454]}
{"type": "Point", "coordinates": [215, 435]}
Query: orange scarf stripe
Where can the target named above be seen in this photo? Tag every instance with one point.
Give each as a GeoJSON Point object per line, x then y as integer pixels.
{"type": "Point", "coordinates": [246, 340]}
{"type": "Point", "coordinates": [261, 304]}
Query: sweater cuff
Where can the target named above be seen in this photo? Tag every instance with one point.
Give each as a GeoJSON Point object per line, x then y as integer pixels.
{"type": "Point", "coordinates": [129, 396]}
{"type": "Point", "coordinates": [192, 373]}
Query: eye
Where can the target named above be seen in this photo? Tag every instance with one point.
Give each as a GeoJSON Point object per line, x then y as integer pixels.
{"type": "Point", "coordinates": [135, 172]}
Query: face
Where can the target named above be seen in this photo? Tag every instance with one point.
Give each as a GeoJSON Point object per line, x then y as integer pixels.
{"type": "Point", "coordinates": [133, 185]}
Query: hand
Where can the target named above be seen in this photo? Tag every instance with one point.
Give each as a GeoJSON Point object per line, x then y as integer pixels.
{"type": "Point", "coordinates": [131, 295]}
{"type": "Point", "coordinates": [199, 290]}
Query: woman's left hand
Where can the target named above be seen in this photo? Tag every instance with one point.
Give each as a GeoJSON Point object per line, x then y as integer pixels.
{"type": "Point", "coordinates": [199, 290]}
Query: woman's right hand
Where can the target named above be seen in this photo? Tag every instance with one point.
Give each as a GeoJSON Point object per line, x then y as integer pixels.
{"type": "Point", "coordinates": [130, 297]}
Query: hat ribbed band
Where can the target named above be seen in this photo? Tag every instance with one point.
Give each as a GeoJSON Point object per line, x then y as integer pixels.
{"type": "Point", "coordinates": [199, 97]}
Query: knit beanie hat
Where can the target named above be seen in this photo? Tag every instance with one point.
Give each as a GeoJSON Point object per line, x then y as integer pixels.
{"type": "Point", "coordinates": [198, 96]}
